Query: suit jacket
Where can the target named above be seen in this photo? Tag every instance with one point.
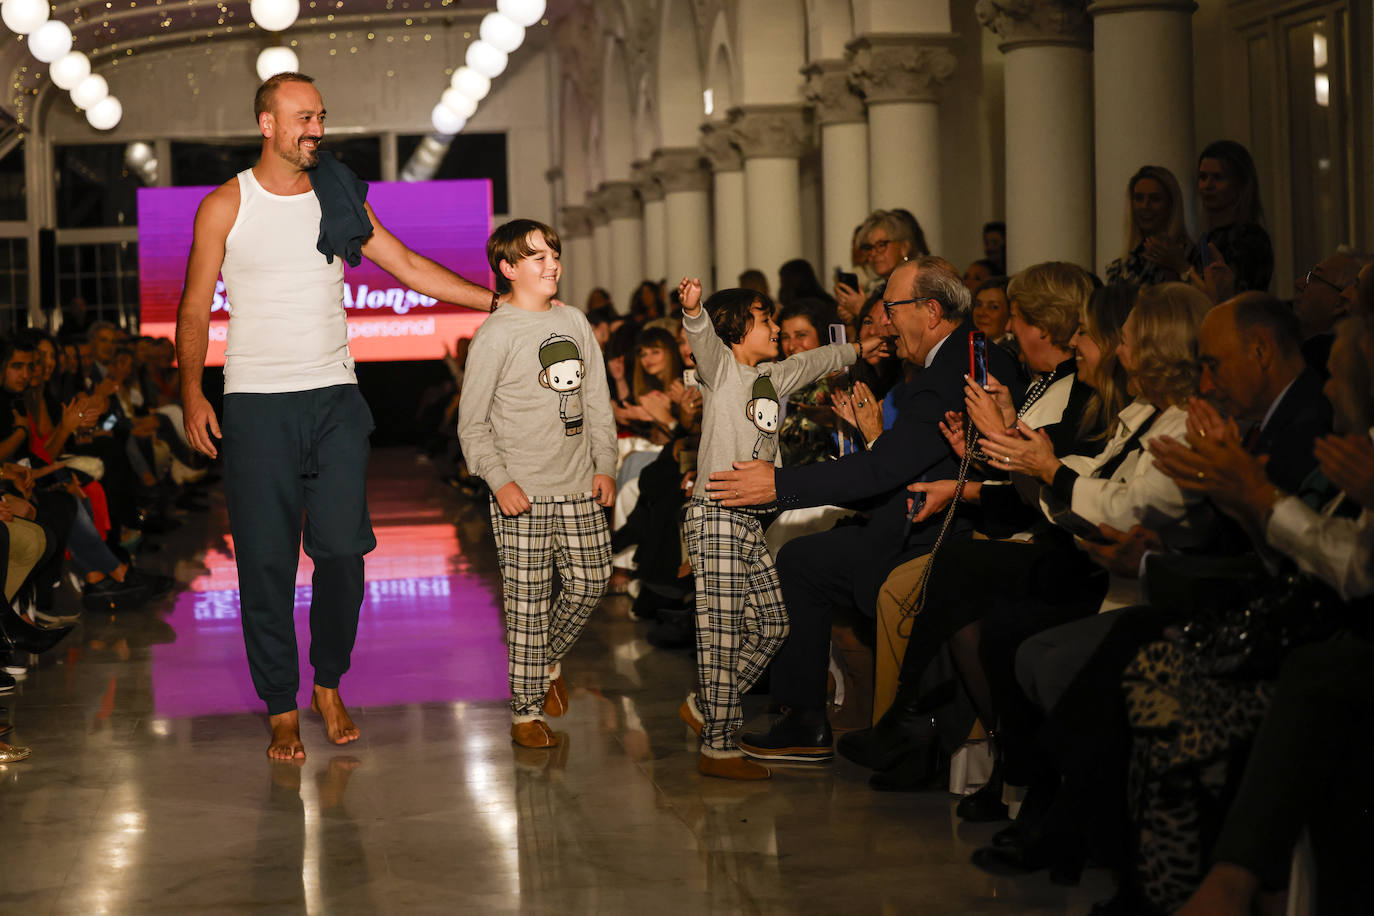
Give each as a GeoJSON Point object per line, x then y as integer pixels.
{"type": "Point", "coordinates": [913, 449]}
{"type": "Point", "coordinates": [1302, 414]}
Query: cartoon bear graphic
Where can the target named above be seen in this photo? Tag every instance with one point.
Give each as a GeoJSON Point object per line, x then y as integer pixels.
{"type": "Point", "coordinates": [563, 370]}
{"type": "Point", "coordinates": [763, 410]}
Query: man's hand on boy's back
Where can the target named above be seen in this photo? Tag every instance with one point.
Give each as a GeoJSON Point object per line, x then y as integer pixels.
{"type": "Point", "coordinates": [512, 500]}
{"type": "Point", "coordinates": [603, 490]}
{"type": "Point", "coordinates": [689, 292]}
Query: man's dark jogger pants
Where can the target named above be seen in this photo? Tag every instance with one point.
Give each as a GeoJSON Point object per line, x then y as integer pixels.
{"type": "Point", "coordinates": [293, 457]}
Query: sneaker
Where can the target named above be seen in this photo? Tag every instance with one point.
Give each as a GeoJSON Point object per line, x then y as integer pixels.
{"type": "Point", "coordinates": [15, 663]}
{"type": "Point", "coordinates": [7, 682]}
{"type": "Point", "coordinates": [790, 739]}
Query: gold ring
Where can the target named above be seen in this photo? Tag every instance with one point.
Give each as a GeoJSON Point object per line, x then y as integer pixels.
{"type": "Point", "coordinates": [737, 494]}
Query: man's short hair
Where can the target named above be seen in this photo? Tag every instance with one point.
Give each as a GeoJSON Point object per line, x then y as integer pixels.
{"type": "Point", "coordinates": [731, 312]}
{"type": "Point", "coordinates": [1262, 312]}
{"type": "Point", "coordinates": [96, 328]}
{"type": "Point", "coordinates": [267, 92]}
{"type": "Point", "coordinates": [940, 280]}
{"type": "Point", "coordinates": [995, 226]}
{"type": "Point", "coordinates": [511, 243]}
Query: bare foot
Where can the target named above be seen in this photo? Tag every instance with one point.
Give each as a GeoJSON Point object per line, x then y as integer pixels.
{"type": "Point", "coordinates": [286, 737]}
{"type": "Point", "coordinates": [337, 723]}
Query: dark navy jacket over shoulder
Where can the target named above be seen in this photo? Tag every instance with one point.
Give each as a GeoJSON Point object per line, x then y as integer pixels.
{"type": "Point", "coordinates": [344, 224]}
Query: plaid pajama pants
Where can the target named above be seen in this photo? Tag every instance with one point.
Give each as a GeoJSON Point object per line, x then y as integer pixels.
{"type": "Point", "coordinates": [740, 617]}
{"type": "Point", "coordinates": [568, 533]}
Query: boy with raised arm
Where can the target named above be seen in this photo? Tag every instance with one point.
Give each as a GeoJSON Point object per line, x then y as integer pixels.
{"type": "Point", "coordinates": [735, 342]}
{"type": "Point", "coordinates": [535, 423]}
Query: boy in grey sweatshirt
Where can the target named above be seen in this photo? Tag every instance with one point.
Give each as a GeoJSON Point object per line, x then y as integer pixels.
{"type": "Point", "coordinates": [535, 423]}
{"type": "Point", "coordinates": [735, 342]}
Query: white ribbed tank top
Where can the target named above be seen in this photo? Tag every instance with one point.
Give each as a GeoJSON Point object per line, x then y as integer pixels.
{"type": "Point", "coordinates": [287, 327]}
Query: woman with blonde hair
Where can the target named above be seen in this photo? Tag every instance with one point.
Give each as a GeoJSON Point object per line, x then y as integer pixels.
{"type": "Point", "coordinates": [890, 237]}
{"type": "Point", "coordinates": [1158, 247]}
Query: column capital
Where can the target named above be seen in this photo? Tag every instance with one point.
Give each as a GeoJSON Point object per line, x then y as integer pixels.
{"type": "Point", "coordinates": [1036, 22]}
{"type": "Point", "coordinates": [831, 94]}
{"type": "Point", "coordinates": [681, 168]}
{"type": "Point", "coordinates": [770, 131]}
{"type": "Point", "coordinates": [718, 148]}
{"type": "Point", "coordinates": [901, 67]}
{"type": "Point", "coordinates": [620, 199]}
{"type": "Point", "coordinates": [1102, 7]}
{"type": "Point", "coordinates": [596, 208]}
{"type": "Point", "coordinates": [642, 174]}
{"type": "Point", "coordinates": [577, 221]}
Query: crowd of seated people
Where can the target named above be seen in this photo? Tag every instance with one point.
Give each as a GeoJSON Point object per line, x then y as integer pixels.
{"type": "Point", "coordinates": [93, 464]}
{"type": "Point", "coordinates": [1136, 565]}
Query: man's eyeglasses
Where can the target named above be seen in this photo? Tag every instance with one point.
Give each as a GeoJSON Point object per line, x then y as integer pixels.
{"type": "Point", "coordinates": [1313, 275]}
{"type": "Point", "coordinates": [879, 246]}
{"type": "Point", "coordinates": [889, 306]}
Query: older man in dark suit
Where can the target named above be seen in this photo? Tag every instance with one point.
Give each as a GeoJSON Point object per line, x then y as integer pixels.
{"type": "Point", "coordinates": [930, 309]}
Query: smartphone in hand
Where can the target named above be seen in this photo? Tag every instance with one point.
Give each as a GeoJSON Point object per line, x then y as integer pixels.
{"type": "Point", "coordinates": [978, 358]}
{"type": "Point", "coordinates": [849, 279]}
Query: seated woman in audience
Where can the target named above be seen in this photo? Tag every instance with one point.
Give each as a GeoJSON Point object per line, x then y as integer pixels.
{"type": "Point", "coordinates": [869, 408]}
{"type": "Point", "coordinates": [889, 239]}
{"type": "Point", "coordinates": [992, 313]}
{"type": "Point", "coordinates": [1158, 248]}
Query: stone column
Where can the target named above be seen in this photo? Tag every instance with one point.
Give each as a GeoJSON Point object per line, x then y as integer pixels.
{"type": "Point", "coordinates": [844, 159]}
{"type": "Point", "coordinates": [900, 76]}
{"type": "Point", "coordinates": [1046, 44]}
{"type": "Point", "coordinates": [1142, 104]}
{"type": "Point", "coordinates": [554, 177]}
{"type": "Point", "coordinates": [601, 247]}
{"type": "Point", "coordinates": [771, 139]}
{"type": "Point", "coordinates": [655, 242]}
{"type": "Point", "coordinates": [728, 169]}
{"type": "Point", "coordinates": [620, 200]}
{"type": "Point", "coordinates": [687, 212]}
{"type": "Point", "coordinates": [576, 232]}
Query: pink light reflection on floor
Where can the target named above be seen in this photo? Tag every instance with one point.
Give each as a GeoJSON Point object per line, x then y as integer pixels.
{"type": "Point", "coordinates": [430, 631]}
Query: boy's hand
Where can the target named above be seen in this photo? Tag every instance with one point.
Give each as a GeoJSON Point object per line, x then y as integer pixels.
{"type": "Point", "coordinates": [603, 489]}
{"type": "Point", "coordinates": [873, 346]}
{"type": "Point", "coordinates": [689, 291]}
{"type": "Point", "coordinates": [512, 500]}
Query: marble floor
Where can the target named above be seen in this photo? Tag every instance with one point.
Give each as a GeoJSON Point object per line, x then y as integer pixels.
{"type": "Point", "coordinates": [149, 792]}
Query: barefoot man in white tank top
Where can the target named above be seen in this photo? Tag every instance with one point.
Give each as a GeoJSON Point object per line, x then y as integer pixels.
{"type": "Point", "coordinates": [295, 428]}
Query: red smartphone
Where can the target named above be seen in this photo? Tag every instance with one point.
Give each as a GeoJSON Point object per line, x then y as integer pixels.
{"type": "Point", "coordinates": [978, 358]}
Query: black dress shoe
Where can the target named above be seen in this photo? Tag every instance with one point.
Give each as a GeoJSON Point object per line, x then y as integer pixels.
{"type": "Point", "coordinates": [1063, 858]}
{"type": "Point", "coordinates": [897, 734]}
{"type": "Point", "coordinates": [985, 805]}
{"type": "Point", "coordinates": [792, 738]}
{"type": "Point", "coordinates": [916, 771]}
{"type": "Point", "coordinates": [1009, 835]}
{"type": "Point", "coordinates": [155, 584]}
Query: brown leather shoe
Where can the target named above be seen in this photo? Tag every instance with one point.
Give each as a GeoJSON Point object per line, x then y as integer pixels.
{"type": "Point", "coordinates": [556, 700]}
{"type": "Point", "coordinates": [533, 734]}
{"type": "Point", "coordinates": [732, 768]}
{"type": "Point", "coordinates": [688, 715]}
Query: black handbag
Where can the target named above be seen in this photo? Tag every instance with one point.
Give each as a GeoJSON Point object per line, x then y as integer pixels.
{"type": "Point", "coordinates": [1251, 639]}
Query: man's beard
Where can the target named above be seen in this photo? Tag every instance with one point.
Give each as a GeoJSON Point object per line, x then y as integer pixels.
{"type": "Point", "coordinates": [299, 156]}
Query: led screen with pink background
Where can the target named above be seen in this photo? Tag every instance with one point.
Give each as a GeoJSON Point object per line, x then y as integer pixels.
{"type": "Point", "coordinates": [446, 221]}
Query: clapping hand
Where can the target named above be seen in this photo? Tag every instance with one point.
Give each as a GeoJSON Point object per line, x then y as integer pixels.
{"type": "Point", "coordinates": [952, 428]}
{"type": "Point", "coordinates": [1025, 450]}
{"type": "Point", "coordinates": [1348, 462]}
{"type": "Point", "coordinates": [862, 411]}
{"type": "Point", "coordinates": [1170, 254]}
{"type": "Point", "coordinates": [1218, 279]}
{"type": "Point", "coordinates": [1127, 548]}
{"type": "Point", "coordinates": [848, 301]}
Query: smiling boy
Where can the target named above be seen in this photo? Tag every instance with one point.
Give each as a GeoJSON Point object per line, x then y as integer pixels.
{"type": "Point", "coordinates": [535, 423]}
